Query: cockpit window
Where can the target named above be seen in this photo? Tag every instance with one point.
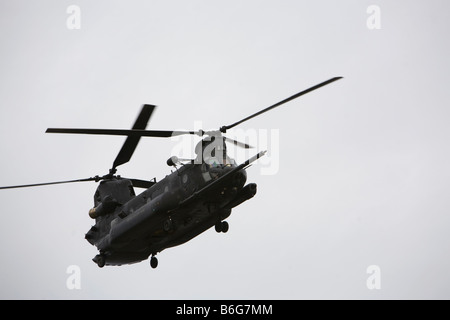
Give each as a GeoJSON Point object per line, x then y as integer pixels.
{"type": "Point", "coordinates": [216, 162]}
{"type": "Point", "coordinates": [213, 161]}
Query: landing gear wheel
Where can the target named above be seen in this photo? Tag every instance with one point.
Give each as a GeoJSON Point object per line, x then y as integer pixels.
{"type": "Point", "coordinates": [225, 226]}
{"type": "Point", "coordinates": [153, 262]}
{"type": "Point", "coordinates": [222, 226]}
{"type": "Point", "coordinates": [100, 260]}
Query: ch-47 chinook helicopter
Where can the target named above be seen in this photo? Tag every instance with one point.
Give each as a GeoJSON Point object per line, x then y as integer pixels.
{"type": "Point", "coordinates": [198, 195]}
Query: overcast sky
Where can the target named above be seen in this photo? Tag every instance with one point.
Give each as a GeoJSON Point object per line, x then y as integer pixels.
{"type": "Point", "coordinates": [361, 172]}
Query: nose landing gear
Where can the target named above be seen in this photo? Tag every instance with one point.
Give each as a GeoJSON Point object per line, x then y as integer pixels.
{"type": "Point", "coordinates": [222, 226]}
{"type": "Point", "coordinates": [153, 262]}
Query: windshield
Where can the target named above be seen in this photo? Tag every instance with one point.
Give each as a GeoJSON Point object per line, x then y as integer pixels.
{"type": "Point", "coordinates": [216, 162]}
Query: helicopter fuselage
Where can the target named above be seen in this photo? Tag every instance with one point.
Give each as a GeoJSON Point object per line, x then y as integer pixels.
{"type": "Point", "coordinates": [198, 195]}
{"type": "Point", "coordinates": [169, 213]}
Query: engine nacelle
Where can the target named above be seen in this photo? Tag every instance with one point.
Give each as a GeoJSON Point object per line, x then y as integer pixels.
{"type": "Point", "coordinates": [109, 195]}
{"type": "Point", "coordinates": [107, 205]}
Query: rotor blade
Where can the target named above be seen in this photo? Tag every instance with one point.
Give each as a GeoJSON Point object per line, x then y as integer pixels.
{"type": "Point", "coordinates": [123, 132]}
{"type": "Point", "coordinates": [238, 143]}
{"type": "Point", "coordinates": [138, 183]}
{"type": "Point", "coordinates": [50, 183]}
{"type": "Point", "coordinates": [225, 128]}
{"type": "Point", "coordinates": [131, 142]}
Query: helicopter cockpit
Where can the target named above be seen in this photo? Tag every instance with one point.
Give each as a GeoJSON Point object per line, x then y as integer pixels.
{"type": "Point", "coordinates": [212, 154]}
{"type": "Point", "coordinates": [213, 151]}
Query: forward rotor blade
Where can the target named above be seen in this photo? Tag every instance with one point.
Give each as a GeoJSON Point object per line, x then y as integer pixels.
{"type": "Point", "coordinates": [131, 142]}
{"type": "Point", "coordinates": [50, 183]}
{"type": "Point", "coordinates": [123, 132]}
{"type": "Point", "coordinates": [238, 143]}
{"type": "Point", "coordinates": [225, 128]}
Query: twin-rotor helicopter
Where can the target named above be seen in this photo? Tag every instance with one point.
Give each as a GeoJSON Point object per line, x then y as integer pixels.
{"type": "Point", "coordinates": [198, 195]}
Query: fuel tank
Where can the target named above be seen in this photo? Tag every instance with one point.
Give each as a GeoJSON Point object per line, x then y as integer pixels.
{"type": "Point", "coordinates": [143, 222]}
{"type": "Point", "coordinates": [243, 195]}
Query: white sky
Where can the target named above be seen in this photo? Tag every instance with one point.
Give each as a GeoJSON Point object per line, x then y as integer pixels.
{"type": "Point", "coordinates": [363, 173]}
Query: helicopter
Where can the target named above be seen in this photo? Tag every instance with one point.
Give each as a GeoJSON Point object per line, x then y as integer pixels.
{"type": "Point", "coordinates": [198, 195]}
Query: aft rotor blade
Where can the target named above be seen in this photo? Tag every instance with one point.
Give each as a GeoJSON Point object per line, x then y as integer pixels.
{"type": "Point", "coordinates": [138, 183]}
{"type": "Point", "coordinates": [123, 132]}
{"type": "Point", "coordinates": [50, 183]}
{"type": "Point", "coordinates": [295, 96]}
{"type": "Point", "coordinates": [131, 142]}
